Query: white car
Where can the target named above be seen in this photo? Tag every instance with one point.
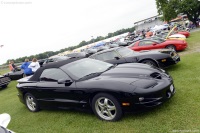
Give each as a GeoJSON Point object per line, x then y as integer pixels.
{"type": "Point", "coordinates": [4, 121]}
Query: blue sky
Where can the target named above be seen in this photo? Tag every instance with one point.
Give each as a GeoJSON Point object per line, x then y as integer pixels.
{"type": "Point", "coordinates": [30, 27]}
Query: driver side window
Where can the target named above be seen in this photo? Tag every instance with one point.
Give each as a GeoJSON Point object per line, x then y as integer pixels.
{"type": "Point", "coordinates": [53, 74]}
{"type": "Point", "coordinates": [145, 43]}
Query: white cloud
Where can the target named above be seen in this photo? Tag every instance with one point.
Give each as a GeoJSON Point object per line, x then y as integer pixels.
{"type": "Point", "coordinates": [50, 25]}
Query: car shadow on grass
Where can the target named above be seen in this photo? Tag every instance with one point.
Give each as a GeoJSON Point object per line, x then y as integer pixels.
{"type": "Point", "coordinates": [173, 68]}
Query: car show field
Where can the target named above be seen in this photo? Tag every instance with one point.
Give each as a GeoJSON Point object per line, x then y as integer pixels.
{"type": "Point", "coordinates": [179, 113]}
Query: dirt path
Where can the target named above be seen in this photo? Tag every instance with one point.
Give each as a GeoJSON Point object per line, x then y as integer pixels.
{"type": "Point", "coordinates": [190, 50]}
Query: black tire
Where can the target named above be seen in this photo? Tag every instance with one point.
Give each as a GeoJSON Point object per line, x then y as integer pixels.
{"type": "Point", "coordinates": [171, 47]}
{"type": "Point", "coordinates": [109, 111]}
{"type": "Point", "coordinates": [150, 62]}
{"type": "Point", "coordinates": [31, 102]}
{"type": "Point", "coordinates": [4, 86]}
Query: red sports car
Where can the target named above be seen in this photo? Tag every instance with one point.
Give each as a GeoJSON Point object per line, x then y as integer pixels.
{"type": "Point", "coordinates": [148, 44]}
{"type": "Point", "coordinates": [185, 33]}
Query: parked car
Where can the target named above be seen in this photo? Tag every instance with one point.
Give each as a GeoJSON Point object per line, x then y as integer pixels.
{"type": "Point", "coordinates": [108, 89]}
{"type": "Point", "coordinates": [15, 75]}
{"type": "Point", "coordinates": [185, 33]}
{"type": "Point", "coordinates": [167, 36]}
{"type": "Point", "coordinates": [148, 44]}
{"type": "Point", "coordinates": [91, 51]}
{"type": "Point", "coordinates": [120, 43]}
{"type": "Point", "coordinates": [4, 81]}
{"type": "Point", "coordinates": [174, 36]}
{"type": "Point", "coordinates": [77, 54]}
{"type": "Point", "coordinates": [112, 45]}
{"type": "Point", "coordinates": [41, 61]}
{"type": "Point", "coordinates": [158, 58]}
{"type": "Point", "coordinates": [55, 59]}
{"type": "Point", "coordinates": [101, 48]}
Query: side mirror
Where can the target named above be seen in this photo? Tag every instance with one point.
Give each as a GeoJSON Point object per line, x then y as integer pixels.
{"type": "Point", "coordinates": [154, 43]}
{"type": "Point", "coordinates": [117, 58]}
{"type": "Point", "coordinates": [64, 81]}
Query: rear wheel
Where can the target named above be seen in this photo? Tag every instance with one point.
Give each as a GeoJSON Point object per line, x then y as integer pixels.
{"type": "Point", "coordinates": [150, 62]}
{"type": "Point", "coordinates": [106, 107]}
{"type": "Point", "coordinates": [171, 47]}
{"type": "Point", "coordinates": [31, 102]}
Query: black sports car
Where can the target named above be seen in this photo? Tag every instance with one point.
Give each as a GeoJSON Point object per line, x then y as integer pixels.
{"type": "Point", "coordinates": [15, 75]}
{"type": "Point", "coordinates": [4, 81]}
{"type": "Point", "coordinates": [108, 89]}
{"type": "Point", "coordinates": [159, 58]}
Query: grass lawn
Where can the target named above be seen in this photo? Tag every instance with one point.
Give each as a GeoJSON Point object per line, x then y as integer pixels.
{"type": "Point", "coordinates": [180, 113]}
{"type": "Point", "coordinates": [3, 71]}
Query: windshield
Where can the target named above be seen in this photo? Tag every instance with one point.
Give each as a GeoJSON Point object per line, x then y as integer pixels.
{"type": "Point", "coordinates": [84, 67]}
{"type": "Point", "coordinates": [158, 39]}
{"type": "Point", "coordinates": [125, 51]}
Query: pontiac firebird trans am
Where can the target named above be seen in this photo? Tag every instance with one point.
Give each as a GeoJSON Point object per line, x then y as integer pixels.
{"type": "Point", "coordinates": [108, 89]}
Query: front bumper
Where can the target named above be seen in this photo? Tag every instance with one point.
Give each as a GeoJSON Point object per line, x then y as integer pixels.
{"type": "Point", "coordinates": [169, 61]}
{"type": "Point", "coordinates": [156, 98]}
{"type": "Point", "coordinates": [151, 97]}
{"type": "Point", "coordinates": [181, 47]}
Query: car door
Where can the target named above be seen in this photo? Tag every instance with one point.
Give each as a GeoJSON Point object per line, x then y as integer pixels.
{"type": "Point", "coordinates": [148, 45]}
{"type": "Point", "coordinates": [52, 93]}
{"type": "Point", "coordinates": [111, 57]}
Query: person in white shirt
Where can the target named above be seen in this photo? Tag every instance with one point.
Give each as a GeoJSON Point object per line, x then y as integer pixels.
{"type": "Point", "coordinates": [34, 65]}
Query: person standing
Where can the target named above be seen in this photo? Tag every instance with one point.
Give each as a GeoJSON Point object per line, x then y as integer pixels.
{"type": "Point", "coordinates": [24, 66]}
{"type": "Point", "coordinates": [34, 65]}
{"type": "Point", "coordinates": [12, 66]}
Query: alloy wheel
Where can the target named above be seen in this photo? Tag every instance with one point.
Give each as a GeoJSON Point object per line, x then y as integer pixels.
{"type": "Point", "coordinates": [105, 108]}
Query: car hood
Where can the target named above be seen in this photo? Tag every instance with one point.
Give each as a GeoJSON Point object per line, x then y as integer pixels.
{"type": "Point", "coordinates": [25, 80]}
{"type": "Point", "coordinates": [155, 51]}
{"type": "Point", "coordinates": [130, 72]}
{"type": "Point", "coordinates": [125, 77]}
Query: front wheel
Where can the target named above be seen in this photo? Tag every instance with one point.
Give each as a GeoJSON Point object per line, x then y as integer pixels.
{"type": "Point", "coordinates": [31, 102]}
{"type": "Point", "coordinates": [106, 107]}
{"type": "Point", "coordinates": [150, 62]}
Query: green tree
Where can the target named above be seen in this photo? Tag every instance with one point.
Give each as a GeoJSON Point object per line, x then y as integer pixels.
{"type": "Point", "coordinates": [171, 8]}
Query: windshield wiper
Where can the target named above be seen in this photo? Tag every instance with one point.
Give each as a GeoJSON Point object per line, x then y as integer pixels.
{"type": "Point", "coordinates": [91, 75]}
